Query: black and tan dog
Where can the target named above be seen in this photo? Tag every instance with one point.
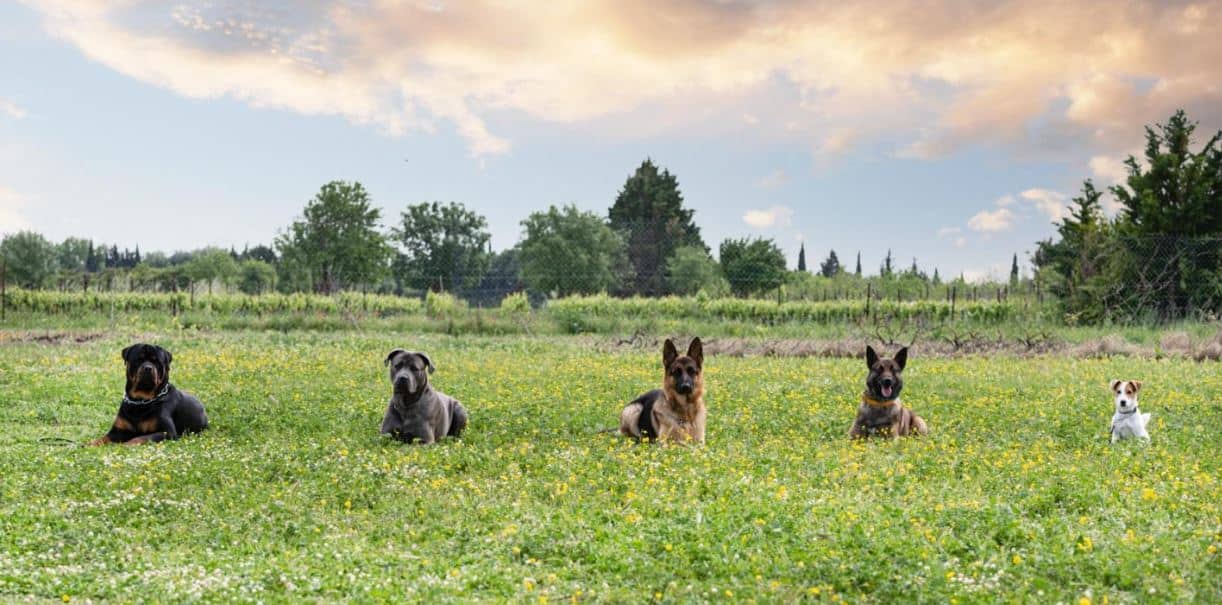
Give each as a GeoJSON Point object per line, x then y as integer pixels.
{"type": "Point", "coordinates": [153, 409]}
{"type": "Point", "coordinates": [416, 409]}
{"type": "Point", "coordinates": [880, 412]}
{"type": "Point", "coordinates": [675, 412]}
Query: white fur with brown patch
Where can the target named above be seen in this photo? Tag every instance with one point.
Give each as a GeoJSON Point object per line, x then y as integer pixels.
{"type": "Point", "coordinates": [1127, 421]}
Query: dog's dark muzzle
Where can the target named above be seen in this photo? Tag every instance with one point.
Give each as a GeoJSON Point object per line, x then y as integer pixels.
{"type": "Point", "coordinates": [404, 383]}
{"type": "Point", "coordinates": [684, 387]}
{"type": "Point", "coordinates": [146, 376]}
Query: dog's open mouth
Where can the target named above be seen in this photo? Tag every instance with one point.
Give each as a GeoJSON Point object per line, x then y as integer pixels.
{"type": "Point", "coordinates": [886, 390]}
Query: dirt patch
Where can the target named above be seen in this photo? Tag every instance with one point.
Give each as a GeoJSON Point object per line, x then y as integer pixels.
{"type": "Point", "coordinates": [1211, 350]}
{"type": "Point", "coordinates": [49, 338]}
{"type": "Point", "coordinates": [1175, 343]}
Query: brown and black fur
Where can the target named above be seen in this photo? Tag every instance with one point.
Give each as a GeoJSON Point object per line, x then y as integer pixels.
{"type": "Point", "coordinates": [675, 412]}
{"type": "Point", "coordinates": [881, 413]}
{"type": "Point", "coordinates": [153, 409]}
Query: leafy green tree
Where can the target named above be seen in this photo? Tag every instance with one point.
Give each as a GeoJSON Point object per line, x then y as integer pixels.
{"type": "Point", "coordinates": [1070, 264]}
{"type": "Point", "coordinates": [260, 252]}
{"type": "Point", "coordinates": [443, 247]}
{"type": "Point", "coordinates": [73, 254]}
{"type": "Point", "coordinates": [337, 243]}
{"type": "Point", "coordinates": [211, 265]}
{"type": "Point", "coordinates": [567, 251]}
{"type": "Point", "coordinates": [256, 277]}
{"type": "Point", "coordinates": [831, 266]}
{"type": "Point", "coordinates": [752, 266]}
{"type": "Point", "coordinates": [1171, 220]}
{"type": "Point", "coordinates": [691, 270]}
{"type": "Point", "coordinates": [649, 215]}
{"type": "Point", "coordinates": [31, 261]}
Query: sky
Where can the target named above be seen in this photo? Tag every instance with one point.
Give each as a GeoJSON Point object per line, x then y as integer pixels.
{"type": "Point", "coordinates": [950, 131]}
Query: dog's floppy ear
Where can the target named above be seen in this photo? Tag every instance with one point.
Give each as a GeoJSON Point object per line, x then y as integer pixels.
{"type": "Point", "coordinates": [125, 351]}
{"type": "Point", "coordinates": [1116, 385]}
{"type": "Point", "coordinates": [696, 351]}
{"type": "Point", "coordinates": [871, 357]}
{"type": "Point", "coordinates": [669, 353]}
{"type": "Point", "coordinates": [391, 355]}
{"type": "Point", "coordinates": [1136, 385]}
{"type": "Point", "coordinates": [901, 358]}
{"type": "Point", "coordinates": [428, 363]}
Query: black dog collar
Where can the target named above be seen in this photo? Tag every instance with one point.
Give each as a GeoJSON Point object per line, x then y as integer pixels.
{"type": "Point", "coordinates": [160, 396]}
{"type": "Point", "coordinates": [1128, 413]}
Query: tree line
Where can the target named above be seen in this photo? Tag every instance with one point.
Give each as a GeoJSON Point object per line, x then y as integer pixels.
{"type": "Point", "coordinates": [648, 244]}
{"type": "Point", "coordinates": [1160, 256]}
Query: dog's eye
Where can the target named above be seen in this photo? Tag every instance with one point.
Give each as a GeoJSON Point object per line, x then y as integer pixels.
{"type": "Point", "coordinates": [691, 371]}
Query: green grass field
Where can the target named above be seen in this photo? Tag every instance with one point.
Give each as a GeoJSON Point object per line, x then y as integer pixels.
{"type": "Point", "coordinates": [292, 496]}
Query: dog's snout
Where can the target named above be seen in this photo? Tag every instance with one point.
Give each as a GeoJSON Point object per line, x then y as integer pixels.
{"type": "Point", "coordinates": [887, 382]}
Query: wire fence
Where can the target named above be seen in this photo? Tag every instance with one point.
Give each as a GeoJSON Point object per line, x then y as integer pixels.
{"type": "Point", "coordinates": [1147, 279]}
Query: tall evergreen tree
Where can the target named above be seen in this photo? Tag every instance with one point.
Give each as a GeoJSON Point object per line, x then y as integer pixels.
{"type": "Point", "coordinates": [649, 215]}
{"type": "Point", "coordinates": [831, 266]}
{"type": "Point", "coordinates": [1014, 271]}
{"type": "Point", "coordinates": [802, 258]}
{"type": "Point", "coordinates": [886, 269]}
{"type": "Point", "coordinates": [858, 270]}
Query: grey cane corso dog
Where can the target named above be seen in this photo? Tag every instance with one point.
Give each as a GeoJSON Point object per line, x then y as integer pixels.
{"type": "Point", "coordinates": [417, 410]}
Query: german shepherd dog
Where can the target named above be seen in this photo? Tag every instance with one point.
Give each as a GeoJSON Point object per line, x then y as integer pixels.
{"type": "Point", "coordinates": [880, 412]}
{"type": "Point", "coordinates": [676, 411]}
{"type": "Point", "coordinates": [153, 409]}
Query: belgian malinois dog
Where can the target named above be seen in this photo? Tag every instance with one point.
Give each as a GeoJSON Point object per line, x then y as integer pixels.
{"type": "Point", "coordinates": [881, 413]}
{"type": "Point", "coordinates": [676, 411]}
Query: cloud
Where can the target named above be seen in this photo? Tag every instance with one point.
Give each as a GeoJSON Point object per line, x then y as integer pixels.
{"type": "Point", "coordinates": [774, 179]}
{"type": "Point", "coordinates": [1052, 204]}
{"type": "Point", "coordinates": [1108, 170]}
{"type": "Point", "coordinates": [960, 242]}
{"type": "Point", "coordinates": [776, 216]}
{"type": "Point", "coordinates": [11, 218]}
{"type": "Point", "coordinates": [947, 231]}
{"type": "Point", "coordinates": [11, 109]}
{"type": "Point", "coordinates": [929, 77]}
{"type": "Point", "coordinates": [992, 221]}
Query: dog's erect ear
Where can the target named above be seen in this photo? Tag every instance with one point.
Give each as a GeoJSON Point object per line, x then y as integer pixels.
{"type": "Point", "coordinates": [1136, 385]}
{"type": "Point", "coordinates": [901, 358]}
{"type": "Point", "coordinates": [391, 355]}
{"type": "Point", "coordinates": [1116, 385]}
{"type": "Point", "coordinates": [696, 351]}
{"type": "Point", "coordinates": [871, 357]}
{"type": "Point", "coordinates": [669, 353]}
{"type": "Point", "coordinates": [428, 363]}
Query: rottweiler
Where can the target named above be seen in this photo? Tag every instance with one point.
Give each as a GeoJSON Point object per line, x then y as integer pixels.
{"type": "Point", "coordinates": [675, 412]}
{"type": "Point", "coordinates": [153, 410]}
{"type": "Point", "coordinates": [881, 412]}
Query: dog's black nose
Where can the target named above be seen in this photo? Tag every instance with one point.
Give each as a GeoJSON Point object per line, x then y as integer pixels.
{"type": "Point", "coordinates": [888, 382]}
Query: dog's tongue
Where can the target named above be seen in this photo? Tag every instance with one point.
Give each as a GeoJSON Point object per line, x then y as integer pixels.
{"type": "Point", "coordinates": [886, 391]}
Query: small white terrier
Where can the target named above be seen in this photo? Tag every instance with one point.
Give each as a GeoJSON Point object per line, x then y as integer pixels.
{"type": "Point", "coordinates": [1127, 421]}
